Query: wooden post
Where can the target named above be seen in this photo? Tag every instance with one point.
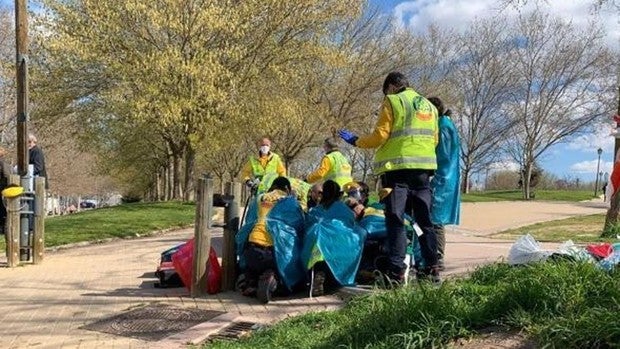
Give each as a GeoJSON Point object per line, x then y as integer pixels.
{"type": "Point", "coordinates": [237, 191]}
{"type": "Point", "coordinates": [21, 64]}
{"type": "Point", "coordinates": [229, 255]}
{"type": "Point", "coordinates": [202, 240]}
{"type": "Point", "coordinates": [38, 233]}
{"type": "Point", "coordinates": [12, 227]}
{"type": "Point", "coordinates": [208, 199]}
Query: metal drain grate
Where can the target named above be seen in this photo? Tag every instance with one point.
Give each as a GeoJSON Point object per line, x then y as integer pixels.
{"type": "Point", "coordinates": [234, 331]}
{"type": "Point", "coordinates": [152, 322]}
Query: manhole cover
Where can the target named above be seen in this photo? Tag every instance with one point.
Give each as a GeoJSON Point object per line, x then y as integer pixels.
{"type": "Point", "coordinates": [153, 322]}
{"type": "Point", "coordinates": [235, 330]}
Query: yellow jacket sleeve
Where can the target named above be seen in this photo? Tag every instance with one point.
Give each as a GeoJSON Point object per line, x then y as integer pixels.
{"type": "Point", "coordinates": [246, 172]}
{"type": "Point", "coordinates": [320, 172]}
{"type": "Point", "coordinates": [281, 169]}
{"type": "Point", "coordinates": [382, 131]}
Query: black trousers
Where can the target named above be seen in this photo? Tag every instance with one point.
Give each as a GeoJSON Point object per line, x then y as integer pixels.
{"type": "Point", "coordinates": [258, 259]}
{"type": "Point", "coordinates": [412, 194]}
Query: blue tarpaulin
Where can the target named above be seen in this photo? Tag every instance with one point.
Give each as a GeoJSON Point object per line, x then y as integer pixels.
{"type": "Point", "coordinates": [333, 236]}
{"type": "Point", "coordinates": [285, 223]}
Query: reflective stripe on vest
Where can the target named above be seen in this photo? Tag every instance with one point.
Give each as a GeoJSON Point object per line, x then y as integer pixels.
{"type": "Point", "coordinates": [413, 132]}
{"type": "Point", "coordinates": [412, 140]}
{"type": "Point", "coordinates": [340, 171]}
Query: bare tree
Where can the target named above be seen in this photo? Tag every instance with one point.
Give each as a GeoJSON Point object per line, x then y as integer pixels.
{"type": "Point", "coordinates": [563, 85]}
{"type": "Point", "coordinates": [484, 81]}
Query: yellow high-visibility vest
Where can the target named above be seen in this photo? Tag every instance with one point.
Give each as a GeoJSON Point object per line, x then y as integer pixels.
{"type": "Point", "coordinates": [413, 137]}
{"type": "Point", "coordinates": [266, 174]}
{"type": "Point", "coordinates": [340, 170]}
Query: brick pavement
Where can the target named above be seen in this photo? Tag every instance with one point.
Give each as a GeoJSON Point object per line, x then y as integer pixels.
{"type": "Point", "coordinates": [43, 306]}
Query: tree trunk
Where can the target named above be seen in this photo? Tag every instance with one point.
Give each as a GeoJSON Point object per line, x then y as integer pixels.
{"type": "Point", "coordinates": [190, 157]}
{"type": "Point", "coordinates": [526, 180]}
{"type": "Point", "coordinates": [176, 177]}
{"type": "Point", "coordinates": [157, 186]}
{"type": "Point", "coordinates": [611, 219]}
{"type": "Point", "coordinates": [465, 179]}
{"type": "Point", "coordinates": [168, 179]}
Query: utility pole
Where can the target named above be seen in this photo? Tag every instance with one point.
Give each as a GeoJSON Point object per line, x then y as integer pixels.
{"type": "Point", "coordinates": [21, 41]}
{"type": "Point", "coordinates": [21, 64]}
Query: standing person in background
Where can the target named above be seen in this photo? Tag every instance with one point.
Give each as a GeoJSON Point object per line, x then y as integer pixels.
{"type": "Point", "coordinates": [264, 167]}
{"type": "Point", "coordinates": [37, 159]}
{"type": "Point", "coordinates": [406, 134]}
{"type": "Point", "coordinates": [446, 205]}
{"type": "Point", "coordinates": [5, 171]}
{"type": "Point", "coordinates": [334, 165]}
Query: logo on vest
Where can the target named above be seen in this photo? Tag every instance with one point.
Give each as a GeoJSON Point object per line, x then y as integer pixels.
{"type": "Point", "coordinates": [422, 109]}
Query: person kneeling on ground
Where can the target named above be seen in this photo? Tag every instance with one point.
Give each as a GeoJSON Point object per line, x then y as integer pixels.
{"type": "Point", "coordinates": [332, 247]}
{"type": "Point", "coordinates": [274, 224]}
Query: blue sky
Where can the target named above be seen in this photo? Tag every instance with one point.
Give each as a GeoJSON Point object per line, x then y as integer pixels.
{"type": "Point", "coordinates": [575, 158]}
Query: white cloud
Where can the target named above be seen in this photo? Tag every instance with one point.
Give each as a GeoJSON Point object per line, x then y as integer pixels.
{"type": "Point", "coordinates": [600, 138]}
{"type": "Point", "coordinates": [589, 166]}
{"type": "Point", "coordinates": [457, 14]}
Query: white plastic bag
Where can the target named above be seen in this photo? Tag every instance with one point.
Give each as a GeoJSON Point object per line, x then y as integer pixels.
{"type": "Point", "coordinates": [526, 250]}
{"type": "Point", "coordinates": [578, 253]}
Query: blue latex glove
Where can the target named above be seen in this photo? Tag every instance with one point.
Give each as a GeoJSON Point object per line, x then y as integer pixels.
{"type": "Point", "coordinates": [348, 136]}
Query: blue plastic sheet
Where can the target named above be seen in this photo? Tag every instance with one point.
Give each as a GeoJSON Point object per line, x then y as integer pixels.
{"type": "Point", "coordinates": [285, 223]}
{"type": "Point", "coordinates": [333, 236]}
{"type": "Point", "coordinates": [373, 223]}
{"type": "Point", "coordinates": [611, 262]}
{"type": "Point", "coordinates": [446, 204]}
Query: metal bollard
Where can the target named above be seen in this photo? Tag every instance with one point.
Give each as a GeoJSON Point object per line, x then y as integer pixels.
{"type": "Point", "coordinates": [38, 230]}
{"type": "Point", "coordinates": [229, 255]}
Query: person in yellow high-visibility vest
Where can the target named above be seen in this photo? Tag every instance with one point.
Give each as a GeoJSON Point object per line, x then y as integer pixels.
{"type": "Point", "coordinates": [406, 135]}
{"type": "Point", "coordinates": [334, 165]}
{"type": "Point", "coordinates": [264, 167]}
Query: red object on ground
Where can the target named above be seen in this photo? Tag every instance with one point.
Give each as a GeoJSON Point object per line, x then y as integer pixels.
{"type": "Point", "coordinates": [214, 276]}
{"type": "Point", "coordinates": [600, 250]}
{"type": "Point", "coordinates": [183, 261]}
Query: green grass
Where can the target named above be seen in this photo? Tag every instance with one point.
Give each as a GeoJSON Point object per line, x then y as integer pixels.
{"type": "Point", "coordinates": [127, 220]}
{"type": "Point", "coordinates": [579, 229]}
{"type": "Point", "coordinates": [558, 305]}
{"type": "Point", "coordinates": [516, 195]}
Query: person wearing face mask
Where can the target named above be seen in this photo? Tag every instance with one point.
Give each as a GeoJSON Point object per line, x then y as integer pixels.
{"type": "Point", "coordinates": [334, 166]}
{"type": "Point", "coordinates": [263, 168]}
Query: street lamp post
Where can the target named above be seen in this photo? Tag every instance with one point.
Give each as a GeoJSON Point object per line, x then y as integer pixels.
{"type": "Point", "coordinates": [598, 167]}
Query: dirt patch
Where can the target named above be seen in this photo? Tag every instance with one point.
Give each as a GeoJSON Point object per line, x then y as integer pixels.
{"type": "Point", "coordinates": [495, 339]}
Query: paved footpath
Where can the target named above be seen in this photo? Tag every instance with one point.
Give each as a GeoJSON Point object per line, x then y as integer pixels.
{"type": "Point", "coordinates": [43, 306]}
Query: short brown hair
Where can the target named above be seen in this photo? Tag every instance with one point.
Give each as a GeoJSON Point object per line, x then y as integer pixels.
{"type": "Point", "coordinates": [331, 142]}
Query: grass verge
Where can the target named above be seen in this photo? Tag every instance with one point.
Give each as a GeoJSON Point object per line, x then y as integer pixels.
{"type": "Point", "coordinates": [127, 220]}
{"type": "Point", "coordinates": [517, 195]}
{"type": "Point", "coordinates": [579, 229]}
{"type": "Point", "coordinates": [559, 305]}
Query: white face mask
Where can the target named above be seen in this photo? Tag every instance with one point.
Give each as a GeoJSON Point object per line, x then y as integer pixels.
{"type": "Point", "coordinates": [264, 149]}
